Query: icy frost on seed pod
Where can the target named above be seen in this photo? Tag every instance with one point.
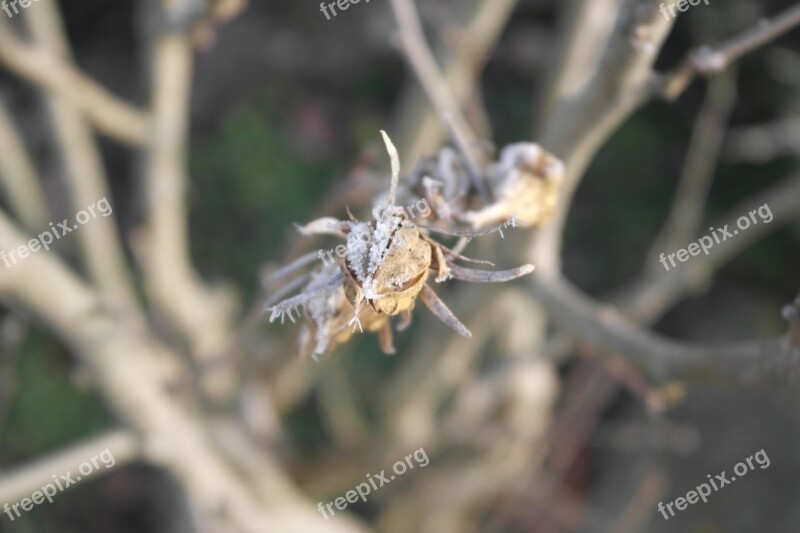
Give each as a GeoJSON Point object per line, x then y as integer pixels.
{"type": "Point", "coordinates": [388, 260]}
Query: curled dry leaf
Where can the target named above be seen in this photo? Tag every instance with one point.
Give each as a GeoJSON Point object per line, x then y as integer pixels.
{"type": "Point", "coordinates": [385, 269]}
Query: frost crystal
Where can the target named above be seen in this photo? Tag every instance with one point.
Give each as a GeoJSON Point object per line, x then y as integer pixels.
{"type": "Point", "coordinates": [367, 245]}
{"type": "Point", "coordinates": [358, 242]}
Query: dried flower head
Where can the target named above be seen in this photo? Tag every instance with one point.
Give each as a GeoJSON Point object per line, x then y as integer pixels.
{"type": "Point", "coordinates": [386, 268]}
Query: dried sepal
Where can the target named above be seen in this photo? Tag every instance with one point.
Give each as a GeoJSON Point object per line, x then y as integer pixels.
{"type": "Point", "coordinates": [486, 276]}
{"type": "Point", "coordinates": [322, 226]}
{"type": "Point", "coordinates": [442, 312]}
{"type": "Point", "coordinates": [316, 289]}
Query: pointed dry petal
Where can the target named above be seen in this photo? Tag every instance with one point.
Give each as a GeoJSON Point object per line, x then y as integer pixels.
{"type": "Point", "coordinates": [323, 226]}
{"type": "Point", "coordinates": [484, 276]}
{"type": "Point", "coordinates": [395, 158]}
{"type": "Point", "coordinates": [290, 268]}
{"type": "Point", "coordinates": [460, 233]}
{"type": "Point", "coordinates": [443, 312]}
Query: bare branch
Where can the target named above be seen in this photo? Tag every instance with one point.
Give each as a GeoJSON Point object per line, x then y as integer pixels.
{"type": "Point", "coordinates": [18, 176]}
{"type": "Point", "coordinates": [123, 444]}
{"type": "Point", "coordinates": [580, 124]}
{"type": "Point", "coordinates": [587, 28]}
{"type": "Point", "coordinates": [110, 115]}
{"type": "Point", "coordinates": [128, 366]}
{"type": "Point", "coordinates": [686, 214]}
{"type": "Point", "coordinates": [461, 63]}
{"type": "Point", "coordinates": [705, 60]}
{"type": "Point", "coordinates": [430, 77]}
{"type": "Point", "coordinates": [102, 250]}
{"type": "Point", "coordinates": [771, 361]}
{"type": "Point", "coordinates": [200, 314]}
{"type": "Point", "coordinates": [651, 296]}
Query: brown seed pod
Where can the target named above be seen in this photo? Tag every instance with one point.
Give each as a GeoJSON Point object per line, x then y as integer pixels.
{"type": "Point", "coordinates": [525, 183]}
{"type": "Point", "coordinates": [386, 267]}
{"type": "Point", "coordinates": [387, 262]}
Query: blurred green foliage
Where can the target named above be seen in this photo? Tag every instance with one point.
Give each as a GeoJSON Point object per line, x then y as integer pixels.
{"type": "Point", "coordinates": [249, 186]}
{"type": "Point", "coordinates": [47, 412]}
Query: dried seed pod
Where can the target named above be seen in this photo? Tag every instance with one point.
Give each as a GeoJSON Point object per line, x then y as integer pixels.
{"type": "Point", "coordinates": [388, 261]}
{"type": "Point", "coordinates": [525, 183]}
{"type": "Point", "coordinates": [386, 268]}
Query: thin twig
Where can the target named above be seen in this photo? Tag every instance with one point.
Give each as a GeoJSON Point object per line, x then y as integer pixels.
{"type": "Point", "coordinates": [123, 444]}
{"type": "Point", "coordinates": [103, 252]}
{"type": "Point", "coordinates": [770, 361]}
{"type": "Point", "coordinates": [462, 63]}
{"type": "Point", "coordinates": [580, 124]}
{"type": "Point", "coordinates": [433, 82]}
{"type": "Point", "coordinates": [650, 296]}
{"type": "Point", "coordinates": [108, 113]}
{"type": "Point", "coordinates": [18, 176]}
{"type": "Point", "coordinates": [196, 312]}
{"type": "Point", "coordinates": [686, 214]}
{"type": "Point", "coordinates": [706, 60]}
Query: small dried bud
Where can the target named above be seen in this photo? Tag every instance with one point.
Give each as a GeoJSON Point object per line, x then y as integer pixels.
{"type": "Point", "coordinates": [525, 182]}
